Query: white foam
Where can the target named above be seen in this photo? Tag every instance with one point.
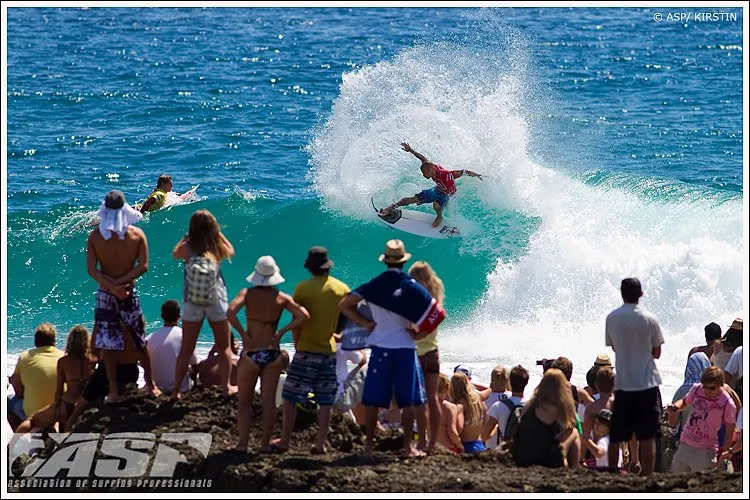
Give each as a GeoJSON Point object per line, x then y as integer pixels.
{"type": "Point", "coordinates": [684, 245]}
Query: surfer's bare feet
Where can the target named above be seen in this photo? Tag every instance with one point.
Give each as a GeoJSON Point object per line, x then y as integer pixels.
{"type": "Point", "coordinates": [438, 221]}
{"type": "Point", "coordinates": [387, 210]}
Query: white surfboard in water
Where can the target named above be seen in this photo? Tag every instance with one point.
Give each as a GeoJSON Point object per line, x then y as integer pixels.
{"type": "Point", "coordinates": [419, 223]}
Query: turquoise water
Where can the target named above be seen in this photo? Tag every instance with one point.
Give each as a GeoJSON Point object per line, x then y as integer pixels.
{"type": "Point", "coordinates": [611, 146]}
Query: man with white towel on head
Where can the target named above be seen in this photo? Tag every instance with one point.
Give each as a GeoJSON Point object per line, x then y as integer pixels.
{"type": "Point", "coordinates": [117, 254]}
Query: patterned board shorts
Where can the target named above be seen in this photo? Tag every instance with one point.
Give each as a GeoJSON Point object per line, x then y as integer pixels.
{"type": "Point", "coordinates": [311, 372]}
{"type": "Point", "coordinates": [110, 311]}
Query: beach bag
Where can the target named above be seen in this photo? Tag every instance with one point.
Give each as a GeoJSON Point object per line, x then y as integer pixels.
{"type": "Point", "coordinates": [201, 281]}
{"type": "Point", "coordinates": [511, 427]}
{"type": "Point", "coordinates": [353, 336]}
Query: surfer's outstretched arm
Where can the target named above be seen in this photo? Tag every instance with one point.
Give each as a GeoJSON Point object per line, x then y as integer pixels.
{"type": "Point", "coordinates": [459, 173]}
{"type": "Point", "coordinates": [408, 149]}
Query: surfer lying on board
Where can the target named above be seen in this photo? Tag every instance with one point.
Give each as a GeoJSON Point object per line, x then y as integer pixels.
{"type": "Point", "coordinates": [445, 181]}
{"type": "Point", "coordinates": [158, 196]}
{"type": "Point", "coordinates": [155, 201]}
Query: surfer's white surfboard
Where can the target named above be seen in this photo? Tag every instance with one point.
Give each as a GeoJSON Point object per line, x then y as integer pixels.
{"type": "Point", "coordinates": [188, 194]}
{"type": "Point", "coordinates": [174, 199]}
{"type": "Point", "coordinates": [419, 223]}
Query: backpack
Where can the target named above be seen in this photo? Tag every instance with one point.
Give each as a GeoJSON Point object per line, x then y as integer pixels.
{"type": "Point", "coordinates": [511, 426]}
{"type": "Point", "coordinates": [201, 281]}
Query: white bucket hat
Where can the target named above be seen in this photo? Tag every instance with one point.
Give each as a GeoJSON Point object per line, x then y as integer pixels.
{"type": "Point", "coordinates": [266, 273]}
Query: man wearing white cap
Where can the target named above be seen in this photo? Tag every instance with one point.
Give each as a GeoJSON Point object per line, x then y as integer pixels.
{"type": "Point", "coordinates": [117, 254]}
{"type": "Point", "coordinates": [399, 306]}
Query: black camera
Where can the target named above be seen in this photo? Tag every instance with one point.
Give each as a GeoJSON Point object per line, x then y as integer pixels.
{"type": "Point", "coordinates": [545, 363]}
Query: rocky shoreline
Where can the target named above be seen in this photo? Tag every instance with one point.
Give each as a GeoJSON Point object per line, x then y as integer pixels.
{"type": "Point", "coordinates": [342, 469]}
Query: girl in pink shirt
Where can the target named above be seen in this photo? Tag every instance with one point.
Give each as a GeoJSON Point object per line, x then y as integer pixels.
{"type": "Point", "coordinates": [711, 406]}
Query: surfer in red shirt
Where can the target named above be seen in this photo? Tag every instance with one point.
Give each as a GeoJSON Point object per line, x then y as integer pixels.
{"type": "Point", "coordinates": [445, 187]}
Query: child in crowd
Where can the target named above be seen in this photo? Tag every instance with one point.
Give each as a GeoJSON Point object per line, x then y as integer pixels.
{"type": "Point", "coordinates": [599, 444]}
{"type": "Point", "coordinates": [711, 406]}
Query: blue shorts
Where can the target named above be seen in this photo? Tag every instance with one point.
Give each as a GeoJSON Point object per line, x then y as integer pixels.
{"type": "Point", "coordinates": [15, 406]}
{"type": "Point", "coordinates": [311, 372]}
{"type": "Point", "coordinates": [430, 195]}
{"type": "Point", "coordinates": [473, 446]}
{"type": "Point", "coordinates": [394, 372]}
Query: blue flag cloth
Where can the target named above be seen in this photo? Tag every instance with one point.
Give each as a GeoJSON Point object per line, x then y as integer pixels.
{"type": "Point", "coordinates": [399, 293]}
{"type": "Point", "coordinates": [353, 336]}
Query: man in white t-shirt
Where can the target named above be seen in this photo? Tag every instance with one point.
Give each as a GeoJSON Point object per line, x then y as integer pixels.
{"type": "Point", "coordinates": [635, 336]}
{"type": "Point", "coordinates": [164, 346]}
{"type": "Point", "coordinates": [499, 413]}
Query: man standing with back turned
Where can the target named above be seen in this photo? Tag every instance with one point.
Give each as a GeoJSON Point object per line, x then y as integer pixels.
{"type": "Point", "coordinates": [401, 308]}
{"type": "Point", "coordinates": [313, 368]}
{"type": "Point", "coordinates": [117, 254]}
{"type": "Point", "coordinates": [635, 336]}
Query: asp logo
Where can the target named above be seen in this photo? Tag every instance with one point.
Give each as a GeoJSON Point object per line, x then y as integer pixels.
{"type": "Point", "coordinates": [125, 454]}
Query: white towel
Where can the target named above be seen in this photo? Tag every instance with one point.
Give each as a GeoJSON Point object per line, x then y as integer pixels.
{"type": "Point", "coordinates": [117, 220]}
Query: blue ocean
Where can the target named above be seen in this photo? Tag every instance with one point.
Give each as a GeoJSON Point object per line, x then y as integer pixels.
{"type": "Point", "coordinates": [610, 145]}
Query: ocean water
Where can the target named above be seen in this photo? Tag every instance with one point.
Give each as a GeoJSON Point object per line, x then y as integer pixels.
{"type": "Point", "coordinates": [611, 146]}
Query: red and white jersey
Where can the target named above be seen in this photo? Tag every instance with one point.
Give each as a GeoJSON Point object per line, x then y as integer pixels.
{"type": "Point", "coordinates": [444, 180]}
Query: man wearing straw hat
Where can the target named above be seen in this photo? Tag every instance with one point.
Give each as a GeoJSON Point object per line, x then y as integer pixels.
{"type": "Point", "coordinates": [399, 306]}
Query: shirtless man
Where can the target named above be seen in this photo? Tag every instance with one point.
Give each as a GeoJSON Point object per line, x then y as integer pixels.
{"type": "Point", "coordinates": [117, 254]}
{"type": "Point", "coordinates": [713, 335]}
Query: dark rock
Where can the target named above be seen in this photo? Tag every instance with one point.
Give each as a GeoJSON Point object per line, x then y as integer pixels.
{"type": "Point", "coordinates": [343, 469]}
